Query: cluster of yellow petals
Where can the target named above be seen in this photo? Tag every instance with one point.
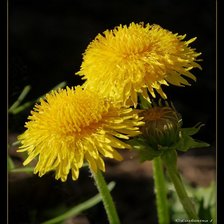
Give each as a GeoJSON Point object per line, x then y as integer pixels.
{"type": "Point", "coordinates": [71, 126]}
{"type": "Point", "coordinates": [137, 58]}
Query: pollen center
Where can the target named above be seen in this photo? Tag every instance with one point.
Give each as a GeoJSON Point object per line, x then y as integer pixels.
{"type": "Point", "coordinates": [80, 113]}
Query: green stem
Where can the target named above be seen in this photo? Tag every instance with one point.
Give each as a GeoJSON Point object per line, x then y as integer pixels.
{"type": "Point", "coordinates": [160, 191]}
{"type": "Point", "coordinates": [170, 160]}
{"type": "Point", "coordinates": [106, 197]}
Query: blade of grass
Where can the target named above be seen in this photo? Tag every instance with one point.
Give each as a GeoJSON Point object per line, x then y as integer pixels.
{"type": "Point", "coordinates": [15, 143]}
{"type": "Point", "coordinates": [23, 169]}
{"type": "Point", "coordinates": [22, 107]}
{"type": "Point", "coordinates": [20, 98]}
{"type": "Point", "coordinates": [10, 163]}
{"type": "Point", "coordinates": [79, 208]}
{"type": "Point", "coordinates": [60, 85]}
{"type": "Point", "coordinates": [26, 105]}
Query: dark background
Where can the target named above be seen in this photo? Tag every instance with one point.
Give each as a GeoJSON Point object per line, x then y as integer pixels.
{"type": "Point", "coordinates": [47, 39]}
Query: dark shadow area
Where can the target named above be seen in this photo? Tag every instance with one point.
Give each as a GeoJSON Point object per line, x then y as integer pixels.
{"type": "Point", "coordinates": [46, 42]}
{"type": "Point", "coordinates": [47, 39]}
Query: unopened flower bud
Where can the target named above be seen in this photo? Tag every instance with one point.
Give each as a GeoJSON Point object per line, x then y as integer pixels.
{"type": "Point", "coordinates": [162, 126]}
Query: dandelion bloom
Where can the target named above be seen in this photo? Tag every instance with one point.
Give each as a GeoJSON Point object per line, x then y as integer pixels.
{"type": "Point", "coordinates": [137, 58]}
{"type": "Point", "coordinates": [74, 125]}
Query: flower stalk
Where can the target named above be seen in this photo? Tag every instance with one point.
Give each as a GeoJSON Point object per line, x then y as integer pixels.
{"type": "Point", "coordinates": [160, 191]}
{"type": "Point", "coordinates": [106, 197]}
{"type": "Point", "coordinates": [170, 161]}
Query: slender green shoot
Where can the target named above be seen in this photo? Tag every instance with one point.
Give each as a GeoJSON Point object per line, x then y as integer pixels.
{"type": "Point", "coordinates": [106, 198]}
{"type": "Point", "coordinates": [160, 191]}
{"type": "Point", "coordinates": [79, 208]}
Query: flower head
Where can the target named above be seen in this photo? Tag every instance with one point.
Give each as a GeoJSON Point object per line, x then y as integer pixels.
{"type": "Point", "coordinates": [136, 58]}
{"type": "Point", "coordinates": [74, 125]}
{"type": "Point", "coordinates": [162, 126]}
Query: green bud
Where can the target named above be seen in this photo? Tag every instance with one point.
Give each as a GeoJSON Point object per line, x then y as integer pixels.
{"type": "Point", "coordinates": [162, 126]}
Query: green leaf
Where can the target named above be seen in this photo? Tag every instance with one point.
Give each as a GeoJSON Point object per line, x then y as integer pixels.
{"type": "Point", "coordinates": [186, 142]}
{"type": "Point", "coordinates": [207, 198]}
{"type": "Point", "coordinates": [193, 130]}
{"type": "Point", "coordinates": [145, 151]}
{"type": "Point", "coordinates": [204, 212]}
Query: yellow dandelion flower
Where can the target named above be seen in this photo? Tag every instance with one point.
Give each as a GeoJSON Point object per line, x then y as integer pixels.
{"type": "Point", "coordinates": [134, 58]}
{"type": "Point", "coordinates": [74, 125]}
